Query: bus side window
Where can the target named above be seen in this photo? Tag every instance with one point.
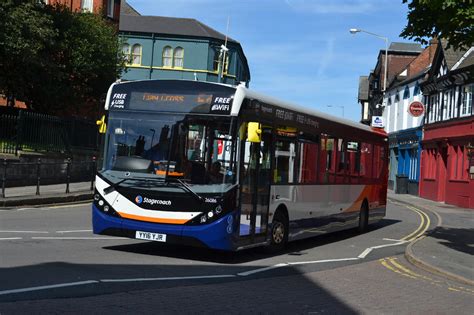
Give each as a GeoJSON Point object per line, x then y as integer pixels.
{"type": "Point", "coordinates": [353, 158]}
{"type": "Point", "coordinates": [308, 162]}
{"type": "Point", "coordinates": [284, 171]}
{"type": "Point", "coordinates": [322, 161]}
{"type": "Point", "coordinates": [366, 162]}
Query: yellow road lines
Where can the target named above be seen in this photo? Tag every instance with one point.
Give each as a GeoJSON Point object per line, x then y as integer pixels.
{"type": "Point", "coordinates": [392, 264]}
{"type": "Point", "coordinates": [422, 228]}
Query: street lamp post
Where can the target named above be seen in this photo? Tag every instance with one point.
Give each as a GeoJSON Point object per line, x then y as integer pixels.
{"type": "Point", "coordinates": [340, 106]}
{"type": "Point", "coordinates": [358, 30]}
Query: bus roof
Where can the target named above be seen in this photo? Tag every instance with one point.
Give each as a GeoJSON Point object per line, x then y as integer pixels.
{"type": "Point", "coordinates": [241, 93]}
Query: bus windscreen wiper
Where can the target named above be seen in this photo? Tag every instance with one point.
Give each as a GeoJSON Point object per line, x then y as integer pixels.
{"type": "Point", "coordinates": [187, 188]}
{"type": "Point", "coordinates": [114, 186]}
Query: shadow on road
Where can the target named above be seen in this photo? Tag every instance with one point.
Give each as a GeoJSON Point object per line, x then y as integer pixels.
{"type": "Point", "coordinates": [296, 248]}
{"type": "Point", "coordinates": [458, 239]}
{"type": "Point", "coordinates": [143, 289]}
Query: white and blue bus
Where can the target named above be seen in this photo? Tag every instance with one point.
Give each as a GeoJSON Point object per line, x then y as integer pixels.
{"type": "Point", "coordinates": [220, 166]}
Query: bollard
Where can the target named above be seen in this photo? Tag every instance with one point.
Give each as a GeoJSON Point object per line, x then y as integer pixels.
{"type": "Point", "coordinates": [38, 165]}
{"type": "Point", "coordinates": [4, 178]}
{"type": "Point", "coordinates": [68, 174]}
{"type": "Point", "coordinates": [94, 169]}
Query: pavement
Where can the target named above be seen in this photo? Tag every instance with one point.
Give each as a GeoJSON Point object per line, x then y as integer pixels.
{"type": "Point", "coordinates": [49, 194]}
{"type": "Point", "coordinates": [447, 249]}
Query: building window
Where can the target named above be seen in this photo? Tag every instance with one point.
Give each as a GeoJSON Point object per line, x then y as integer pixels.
{"type": "Point", "coordinates": [215, 61]}
{"type": "Point", "coordinates": [466, 106]}
{"type": "Point", "coordinates": [168, 57]}
{"type": "Point", "coordinates": [110, 8]}
{"type": "Point", "coordinates": [178, 57]}
{"type": "Point", "coordinates": [87, 5]}
{"type": "Point", "coordinates": [126, 52]}
{"type": "Point", "coordinates": [406, 93]}
{"type": "Point", "coordinates": [137, 54]}
{"type": "Point", "coordinates": [226, 63]}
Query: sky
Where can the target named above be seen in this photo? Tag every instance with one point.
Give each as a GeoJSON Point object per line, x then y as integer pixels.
{"type": "Point", "coordinates": [300, 50]}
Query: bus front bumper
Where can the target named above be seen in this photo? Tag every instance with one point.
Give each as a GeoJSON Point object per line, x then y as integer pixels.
{"type": "Point", "coordinates": [215, 235]}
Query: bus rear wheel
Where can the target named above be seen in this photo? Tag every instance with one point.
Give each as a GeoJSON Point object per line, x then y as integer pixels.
{"type": "Point", "coordinates": [363, 218]}
{"type": "Point", "coordinates": [279, 232]}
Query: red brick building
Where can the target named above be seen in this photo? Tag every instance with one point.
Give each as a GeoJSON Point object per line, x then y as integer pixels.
{"type": "Point", "coordinates": [109, 8]}
{"type": "Point", "coordinates": [447, 161]}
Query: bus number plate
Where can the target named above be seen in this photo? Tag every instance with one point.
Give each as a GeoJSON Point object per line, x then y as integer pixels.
{"type": "Point", "coordinates": [157, 237]}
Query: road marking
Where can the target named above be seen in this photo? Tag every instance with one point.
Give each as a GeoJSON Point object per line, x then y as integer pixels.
{"type": "Point", "coordinates": [47, 287]}
{"type": "Point", "coordinates": [251, 272]}
{"type": "Point", "coordinates": [391, 239]}
{"type": "Point", "coordinates": [10, 238]}
{"type": "Point", "coordinates": [321, 261]}
{"type": "Point", "coordinates": [368, 250]}
{"type": "Point", "coordinates": [70, 205]}
{"type": "Point", "coordinates": [422, 228]}
{"type": "Point", "coordinates": [74, 231]}
{"type": "Point", "coordinates": [166, 278]}
{"type": "Point", "coordinates": [392, 264]}
{"type": "Point", "coordinates": [386, 265]}
{"type": "Point", "coordinates": [26, 232]}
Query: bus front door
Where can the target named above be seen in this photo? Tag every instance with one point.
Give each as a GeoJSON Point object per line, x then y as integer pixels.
{"type": "Point", "coordinates": [255, 188]}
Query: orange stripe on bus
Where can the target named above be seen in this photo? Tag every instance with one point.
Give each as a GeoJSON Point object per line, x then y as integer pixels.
{"type": "Point", "coordinates": [151, 219]}
{"type": "Point", "coordinates": [366, 192]}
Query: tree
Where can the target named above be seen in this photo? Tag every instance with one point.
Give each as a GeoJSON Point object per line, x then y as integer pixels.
{"type": "Point", "coordinates": [452, 20]}
{"type": "Point", "coordinates": [70, 64]}
{"type": "Point", "coordinates": [25, 35]}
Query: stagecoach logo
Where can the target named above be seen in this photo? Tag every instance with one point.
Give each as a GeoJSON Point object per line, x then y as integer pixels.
{"type": "Point", "coordinates": [221, 104]}
{"type": "Point", "coordinates": [139, 200]}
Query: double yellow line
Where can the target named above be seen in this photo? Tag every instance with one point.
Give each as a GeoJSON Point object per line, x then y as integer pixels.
{"type": "Point", "coordinates": [422, 228]}
{"type": "Point", "coordinates": [394, 265]}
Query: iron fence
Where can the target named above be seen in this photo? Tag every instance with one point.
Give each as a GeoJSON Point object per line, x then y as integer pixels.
{"type": "Point", "coordinates": [30, 131]}
{"type": "Point", "coordinates": [40, 178]}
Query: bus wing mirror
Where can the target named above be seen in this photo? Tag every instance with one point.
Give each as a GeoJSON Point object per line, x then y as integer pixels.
{"type": "Point", "coordinates": [254, 132]}
{"type": "Point", "coordinates": [102, 125]}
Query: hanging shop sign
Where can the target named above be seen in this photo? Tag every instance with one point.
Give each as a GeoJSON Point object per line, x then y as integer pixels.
{"type": "Point", "coordinates": [416, 109]}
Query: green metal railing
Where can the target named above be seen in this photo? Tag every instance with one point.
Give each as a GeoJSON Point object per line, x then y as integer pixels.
{"type": "Point", "coordinates": [29, 131]}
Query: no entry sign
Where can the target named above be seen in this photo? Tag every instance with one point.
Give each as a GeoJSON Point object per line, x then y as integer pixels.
{"type": "Point", "coordinates": [416, 109]}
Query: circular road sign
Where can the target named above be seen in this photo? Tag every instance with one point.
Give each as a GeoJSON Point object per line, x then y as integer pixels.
{"type": "Point", "coordinates": [416, 109]}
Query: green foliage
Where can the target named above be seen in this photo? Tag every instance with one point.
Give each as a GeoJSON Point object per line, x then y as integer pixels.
{"type": "Point", "coordinates": [452, 20]}
{"type": "Point", "coordinates": [57, 61]}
